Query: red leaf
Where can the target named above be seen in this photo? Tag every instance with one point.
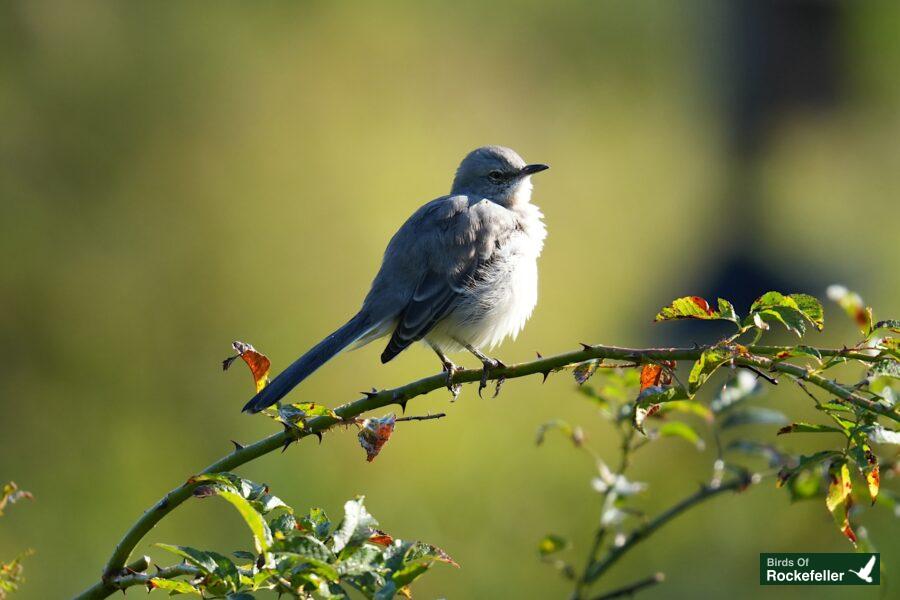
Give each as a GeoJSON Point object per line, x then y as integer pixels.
{"type": "Point", "coordinates": [381, 538]}
{"type": "Point", "coordinates": [374, 434]}
{"type": "Point", "coordinates": [650, 375]}
{"type": "Point", "coordinates": [258, 362]}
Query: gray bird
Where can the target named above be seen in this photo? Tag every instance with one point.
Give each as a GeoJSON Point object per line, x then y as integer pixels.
{"type": "Point", "coordinates": [461, 273]}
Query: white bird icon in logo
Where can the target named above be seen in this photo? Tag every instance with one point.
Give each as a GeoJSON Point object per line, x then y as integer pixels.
{"type": "Point", "coordinates": [866, 572]}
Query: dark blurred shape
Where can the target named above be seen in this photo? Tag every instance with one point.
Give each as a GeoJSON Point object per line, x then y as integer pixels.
{"type": "Point", "coordinates": [781, 58]}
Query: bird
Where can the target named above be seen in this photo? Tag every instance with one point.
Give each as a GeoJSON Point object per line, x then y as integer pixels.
{"type": "Point", "coordinates": [866, 572]}
{"type": "Point", "coordinates": [460, 274]}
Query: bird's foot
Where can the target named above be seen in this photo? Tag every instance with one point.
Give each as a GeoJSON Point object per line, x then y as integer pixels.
{"type": "Point", "coordinates": [489, 365]}
{"type": "Point", "coordinates": [450, 370]}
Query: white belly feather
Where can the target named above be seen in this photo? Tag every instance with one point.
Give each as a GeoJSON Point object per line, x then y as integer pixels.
{"type": "Point", "coordinates": [505, 295]}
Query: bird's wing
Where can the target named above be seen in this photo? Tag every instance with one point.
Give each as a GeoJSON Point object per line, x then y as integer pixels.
{"type": "Point", "coordinates": [447, 244]}
{"type": "Point", "coordinates": [435, 297]}
{"type": "Point", "coordinates": [867, 570]}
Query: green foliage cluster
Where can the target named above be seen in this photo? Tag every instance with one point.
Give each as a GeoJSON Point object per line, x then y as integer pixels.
{"type": "Point", "coordinates": [645, 401]}
{"type": "Point", "coordinates": [303, 556]}
{"type": "Point", "coordinates": [639, 392]}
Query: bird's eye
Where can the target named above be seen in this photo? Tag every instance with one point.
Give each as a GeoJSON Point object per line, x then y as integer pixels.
{"type": "Point", "coordinates": [495, 176]}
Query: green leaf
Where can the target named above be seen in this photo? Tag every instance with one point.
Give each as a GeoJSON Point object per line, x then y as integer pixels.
{"type": "Point", "coordinates": [409, 573]}
{"type": "Point", "coordinates": [695, 307]}
{"type": "Point", "coordinates": [811, 308]}
{"type": "Point", "coordinates": [261, 533]}
{"type": "Point", "coordinates": [584, 370]}
{"type": "Point", "coordinates": [199, 558]}
{"type": "Point", "coordinates": [808, 428]}
{"type": "Point", "coordinates": [421, 550]}
{"type": "Point", "coordinates": [316, 522]}
{"type": "Point", "coordinates": [302, 563]}
{"type": "Point", "coordinates": [753, 415]}
{"type": "Point", "coordinates": [358, 560]}
{"type": "Point", "coordinates": [295, 415]}
{"type": "Point", "coordinates": [804, 463]}
{"type": "Point", "coordinates": [173, 586]}
{"type": "Point", "coordinates": [681, 430]}
{"type": "Point", "coordinates": [308, 546]}
{"type": "Point", "coordinates": [891, 324]}
{"type": "Point", "coordinates": [552, 544]}
{"type": "Point", "coordinates": [709, 361]}
{"type": "Point", "coordinates": [209, 562]}
{"type": "Point", "coordinates": [283, 525]}
{"type": "Point", "coordinates": [356, 527]}
{"type": "Point", "coordinates": [793, 311]}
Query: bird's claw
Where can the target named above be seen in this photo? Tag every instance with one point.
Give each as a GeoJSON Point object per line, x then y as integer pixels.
{"type": "Point", "coordinates": [450, 370]}
{"type": "Point", "coordinates": [489, 365]}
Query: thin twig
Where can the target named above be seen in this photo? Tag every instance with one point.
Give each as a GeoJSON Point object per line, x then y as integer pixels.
{"type": "Point", "coordinates": [632, 588]}
{"type": "Point", "coordinates": [427, 417]}
{"type": "Point", "coordinates": [644, 531]}
{"type": "Point", "coordinates": [759, 373]}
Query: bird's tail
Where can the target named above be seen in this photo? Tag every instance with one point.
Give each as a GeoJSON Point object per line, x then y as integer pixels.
{"type": "Point", "coordinates": [303, 367]}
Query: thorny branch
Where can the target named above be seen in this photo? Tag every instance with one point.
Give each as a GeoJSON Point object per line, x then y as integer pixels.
{"type": "Point", "coordinates": [758, 357]}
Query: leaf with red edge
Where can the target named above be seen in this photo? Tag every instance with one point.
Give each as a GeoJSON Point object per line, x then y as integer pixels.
{"type": "Point", "coordinates": [258, 362]}
{"type": "Point", "coordinates": [381, 538]}
{"type": "Point", "coordinates": [840, 498]}
{"type": "Point", "coordinates": [867, 464]}
{"type": "Point", "coordinates": [695, 307]}
{"type": "Point", "coordinates": [375, 433]}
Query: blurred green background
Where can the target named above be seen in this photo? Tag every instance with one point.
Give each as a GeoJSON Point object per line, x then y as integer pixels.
{"type": "Point", "coordinates": [174, 176]}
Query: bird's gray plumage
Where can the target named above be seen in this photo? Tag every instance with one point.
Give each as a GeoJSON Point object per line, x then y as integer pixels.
{"type": "Point", "coordinates": [459, 273]}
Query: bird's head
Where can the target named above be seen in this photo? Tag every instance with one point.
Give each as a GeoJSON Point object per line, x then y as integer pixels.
{"type": "Point", "coordinates": [496, 173]}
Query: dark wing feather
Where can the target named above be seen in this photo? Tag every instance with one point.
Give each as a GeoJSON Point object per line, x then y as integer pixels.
{"type": "Point", "coordinates": [435, 297]}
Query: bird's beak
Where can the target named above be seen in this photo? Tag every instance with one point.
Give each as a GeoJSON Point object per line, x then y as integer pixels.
{"type": "Point", "coordinates": [532, 169]}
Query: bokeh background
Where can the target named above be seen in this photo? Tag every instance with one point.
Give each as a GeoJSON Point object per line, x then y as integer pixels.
{"type": "Point", "coordinates": [174, 176]}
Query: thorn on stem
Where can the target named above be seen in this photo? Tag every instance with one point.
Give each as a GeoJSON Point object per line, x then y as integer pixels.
{"type": "Point", "coordinates": [586, 346]}
{"type": "Point", "coordinates": [546, 374]}
{"type": "Point", "coordinates": [237, 445]}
